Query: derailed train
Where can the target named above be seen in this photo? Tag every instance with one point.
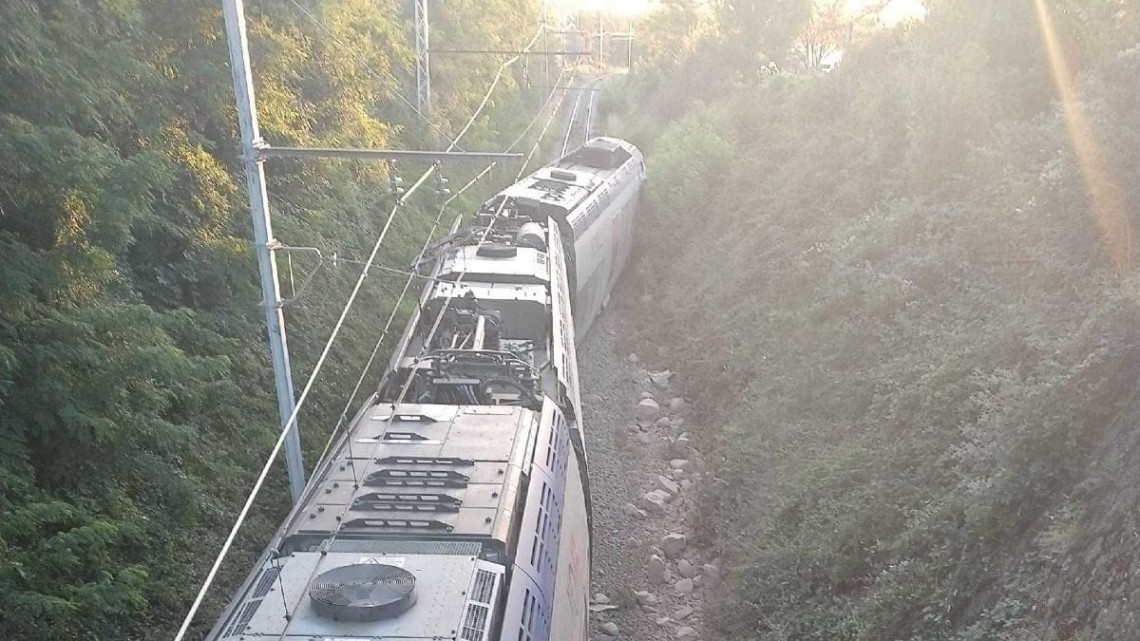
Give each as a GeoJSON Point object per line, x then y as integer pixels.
{"type": "Point", "coordinates": [457, 504]}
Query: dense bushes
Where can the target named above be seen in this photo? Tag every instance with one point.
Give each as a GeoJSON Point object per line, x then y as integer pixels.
{"type": "Point", "coordinates": [892, 294]}
{"type": "Point", "coordinates": [136, 398]}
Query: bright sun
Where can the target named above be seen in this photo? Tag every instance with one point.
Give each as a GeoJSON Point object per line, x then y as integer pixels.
{"type": "Point", "coordinates": [890, 13]}
{"type": "Point", "coordinates": [623, 7]}
{"type": "Point", "coordinates": [898, 11]}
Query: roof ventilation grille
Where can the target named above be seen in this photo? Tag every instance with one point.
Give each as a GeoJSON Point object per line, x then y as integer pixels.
{"type": "Point", "coordinates": [482, 596]}
{"type": "Point", "coordinates": [363, 592]}
{"type": "Point", "coordinates": [560, 174]}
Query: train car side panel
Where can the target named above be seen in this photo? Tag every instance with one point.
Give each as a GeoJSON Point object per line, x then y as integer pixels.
{"type": "Point", "coordinates": [603, 230]}
{"type": "Point", "coordinates": [572, 589]}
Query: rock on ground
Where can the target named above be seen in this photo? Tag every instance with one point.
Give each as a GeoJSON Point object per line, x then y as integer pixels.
{"type": "Point", "coordinates": [656, 569]}
{"type": "Point", "coordinates": [711, 571]}
{"type": "Point", "coordinates": [645, 598]}
{"type": "Point", "coordinates": [620, 467]}
{"type": "Point", "coordinates": [624, 468]}
{"type": "Point", "coordinates": [667, 485]}
{"type": "Point", "coordinates": [686, 569]}
{"type": "Point", "coordinates": [685, 632]}
{"type": "Point", "coordinates": [673, 544]}
{"type": "Point", "coordinates": [647, 409]}
{"type": "Point", "coordinates": [654, 501]}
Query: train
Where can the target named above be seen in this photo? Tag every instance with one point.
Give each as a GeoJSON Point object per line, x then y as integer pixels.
{"type": "Point", "coordinates": [456, 505]}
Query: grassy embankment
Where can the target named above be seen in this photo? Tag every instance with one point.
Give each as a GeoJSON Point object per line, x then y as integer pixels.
{"type": "Point", "coordinates": [905, 302]}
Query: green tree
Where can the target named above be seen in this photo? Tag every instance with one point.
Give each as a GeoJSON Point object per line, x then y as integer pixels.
{"type": "Point", "coordinates": [136, 400]}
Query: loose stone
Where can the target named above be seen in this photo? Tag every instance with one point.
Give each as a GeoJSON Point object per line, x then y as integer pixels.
{"type": "Point", "coordinates": [645, 598]}
{"type": "Point", "coordinates": [712, 571]}
{"type": "Point", "coordinates": [656, 570]}
{"type": "Point", "coordinates": [647, 409]}
{"type": "Point", "coordinates": [673, 544]}
{"type": "Point", "coordinates": [668, 486]}
{"type": "Point", "coordinates": [660, 379]}
{"type": "Point", "coordinates": [686, 569]}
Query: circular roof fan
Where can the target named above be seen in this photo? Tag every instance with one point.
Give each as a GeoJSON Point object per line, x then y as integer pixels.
{"type": "Point", "coordinates": [363, 592]}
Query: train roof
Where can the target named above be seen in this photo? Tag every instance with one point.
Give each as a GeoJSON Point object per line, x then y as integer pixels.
{"type": "Point", "coordinates": [568, 182]}
{"type": "Point", "coordinates": [452, 469]}
{"type": "Point", "coordinates": [446, 493]}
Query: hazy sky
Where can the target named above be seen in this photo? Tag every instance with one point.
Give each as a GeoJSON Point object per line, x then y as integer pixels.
{"type": "Point", "coordinates": [628, 7]}
{"type": "Point", "coordinates": [893, 12]}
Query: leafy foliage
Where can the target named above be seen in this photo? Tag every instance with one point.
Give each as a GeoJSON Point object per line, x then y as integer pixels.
{"type": "Point", "coordinates": [891, 294]}
{"type": "Point", "coordinates": [136, 400]}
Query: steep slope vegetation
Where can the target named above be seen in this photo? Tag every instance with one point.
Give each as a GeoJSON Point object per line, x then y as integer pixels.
{"type": "Point", "coordinates": [915, 336]}
{"type": "Point", "coordinates": [136, 398]}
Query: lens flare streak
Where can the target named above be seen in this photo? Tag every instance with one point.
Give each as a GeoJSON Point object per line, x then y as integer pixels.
{"type": "Point", "coordinates": [1108, 201]}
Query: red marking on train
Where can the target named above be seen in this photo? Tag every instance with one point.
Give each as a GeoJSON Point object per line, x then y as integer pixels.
{"type": "Point", "coordinates": [575, 562]}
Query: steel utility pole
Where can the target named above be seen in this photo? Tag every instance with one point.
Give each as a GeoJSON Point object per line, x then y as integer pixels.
{"type": "Point", "coordinates": [601, 42]}
{"type": "Point", "coordinates": [263, 237]}
{"type": "Point", "coordinates": [629, 51]}
{"type": "Point", "coordinates": [545, 45]}
{"type": "Point", "coordinates": [423, 58]}
{"type": "Point", "coordinates": [254, 152]}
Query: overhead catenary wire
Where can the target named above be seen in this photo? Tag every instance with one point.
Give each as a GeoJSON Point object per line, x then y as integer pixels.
{"type": "Point", "coordinates": [243, 514]}
{"type": "Point", "coordinates": [372, 454]}
{"type": "Point", "coordinates": [370, 458]}
{"type": "Point", "coordinates": [494, 82]}
{"type": "Point", "coordinates": [570, 127]}
{"type": "Point", "coordinates": [462, 269]}
{"type": "Point", "coordinates": [293, 417]}
{"type": "Point", "coordinates": [412, 275]}
{"type": "Point", "coordinates": [549, 97]}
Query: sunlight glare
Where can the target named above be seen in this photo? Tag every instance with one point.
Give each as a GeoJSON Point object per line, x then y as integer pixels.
{"type": "Point", "coordinates": [899, 11]}
{"type": "Point", "coordinates": [1109, 207]}
{"type": "Point", "coordinates": [619, 7]}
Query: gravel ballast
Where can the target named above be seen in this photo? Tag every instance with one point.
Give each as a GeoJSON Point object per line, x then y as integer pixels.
{"type": "Point", "coordinates": [628, 460]}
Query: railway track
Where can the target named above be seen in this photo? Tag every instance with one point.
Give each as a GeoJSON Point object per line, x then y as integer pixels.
{"type": "Point", "coordinates": [578, 124]}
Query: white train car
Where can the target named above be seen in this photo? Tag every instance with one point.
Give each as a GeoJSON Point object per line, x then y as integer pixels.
{"type": "Point", "coordinates": [592, 192]}
{"type": "Point", "coordinates": [456, 505]}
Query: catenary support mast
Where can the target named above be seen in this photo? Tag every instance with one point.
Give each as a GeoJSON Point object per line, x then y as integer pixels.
{"type": "Point", "coordinates": [263, 236]}
{"type": "Point", "coordinates": [423, 58]}
{"type": "Point", "coordinates": [255, 152]}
